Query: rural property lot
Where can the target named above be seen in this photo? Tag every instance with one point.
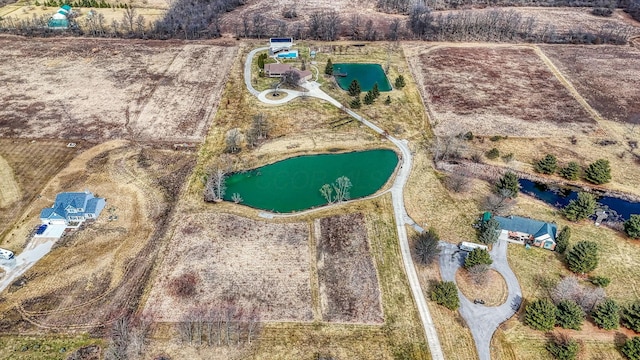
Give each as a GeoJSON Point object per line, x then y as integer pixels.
{"type": "Point", "coordinates": [349, 290]}
{"type": "Point", "coordinates": [607, 76]}
{"type": "Point", "coordinates": [233, 260]}
{"type": "Point", "coordinates": [105, 89]}
{"type": "Point", "coordinates": [96, 275]}
{"type": "Point", "coordinates": [496, 90]}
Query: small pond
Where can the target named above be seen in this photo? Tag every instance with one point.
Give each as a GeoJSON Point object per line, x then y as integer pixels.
{"type": "Point", "coordinates": [294, 184]}
{"type": "Point", "coordinates": [560, 197]}
{"type": "Point", "coordinates": [366, 74]}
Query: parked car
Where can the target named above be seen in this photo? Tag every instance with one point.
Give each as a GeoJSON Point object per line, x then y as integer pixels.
{"type": "Point", "coordinates": [478, 301]}
{"type": "Point", "coordinates": [6, 254]}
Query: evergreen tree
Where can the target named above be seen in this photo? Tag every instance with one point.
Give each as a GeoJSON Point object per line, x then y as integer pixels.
{"type": "Point", "coordinates": [563, 348]}
{"type": "Point", "coordinates": [571, 171]}
{"type": "Point", "coordinates": [607, 315]}
{"type": "Point", "coordinates": [632, 226]}
{"type": "Point", "coordinates": [631, 317]}
{"type": "Point", "coordinates": [387, 101]}
{"type": "Point", "coordinates": [369, 98]}
{"type": "Point", "coordinates": [400, 82]}
{"type": "Point", "coordinates": [477, 257]}
{"type": "Point", "coordinates": [540, 315]}
{"type": "Point", "coordinates": [580, 208]}
{"type": "Point", "coordinates": [509, 183]}
{"type": "Point", "coordinates": [445, 293]}
{"type": "Point", "coordinates": [548, 165]}
{"type": "Point", "coordinates": [569, 315]}
{"type": "Point", "coordinates": [598, 172]}
{"type": "Point", "coordinates": [354, 88]}
{"type": "Point", "coordinates": [488, 233]}
{"type": "Point", "coordinates": [631, 348]}
{"type": "Point", "coordinates": [562, 241]}
{"type": "Point", "coordinates": [583, 257]}
{"type": "Point", "coordinates": [329, 68]}
{"type": "Point", "coordinates": [375, 90]}
{"type": "Point", "coordinates": [426, 246]}
{"type": "Point", "coordinates": [600, 281]}
{"type": "Point", "coordinates": [355, 103]}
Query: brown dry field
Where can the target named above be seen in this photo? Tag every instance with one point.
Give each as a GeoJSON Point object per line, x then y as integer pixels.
{"type": "Point", "coordinates": [495, 90]}
{"type": "Point", "coordinates": [96, 274]}
{"type": "Point", "coordinates": [607, 76]}
{"type": "Point", "coordinates": [493, 291]}
{"type": "Point", "coordinates": [99, 89]}
{"type": "Point", "coordinates": [349, 290]}
{"type": "Point", "coordinates": [25, 169]}
{"type": "Point", "coordinates": [248, 263]}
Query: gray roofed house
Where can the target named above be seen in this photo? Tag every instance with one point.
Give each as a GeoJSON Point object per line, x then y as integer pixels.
{"type": "Point", "coordinates": [73, 207]}
{"type": "Point", "coordinates": [532, 232]}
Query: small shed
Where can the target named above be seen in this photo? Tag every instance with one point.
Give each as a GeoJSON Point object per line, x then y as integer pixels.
{"type": "Point", "coordinates": [58, 21]}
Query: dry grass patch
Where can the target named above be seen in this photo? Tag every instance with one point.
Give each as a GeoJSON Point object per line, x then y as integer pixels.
{"type": "Point", "coordinates": [607, 76]}
{"type": "Point", "coordinates": [502, 90]}
{"type": "Point", "coordinates": [493, 290]}
{"type": "Point", "coordinates": [97, 274]}
{"type": "Point", "coordinates": [251, 264]}
{"type": "Point", "coordinates": [26, 167]}
{"type": "Point", "coordinates": [348, 281]}
{"type": "Point", "coordinates": [148, 90]}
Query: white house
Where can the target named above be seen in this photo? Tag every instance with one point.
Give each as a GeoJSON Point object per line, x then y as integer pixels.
{"type": "Point", "coordinates": [528, 231]}
{"type": "Point", "coordinates": [72, 207]}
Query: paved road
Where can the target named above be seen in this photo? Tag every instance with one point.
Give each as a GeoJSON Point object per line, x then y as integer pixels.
{"type": "Point", "coordinates": [397, 196]}
{"type": "Point", "coordinates": [483, 320]}
{"type": "Point", "coordinates": [14, 268]}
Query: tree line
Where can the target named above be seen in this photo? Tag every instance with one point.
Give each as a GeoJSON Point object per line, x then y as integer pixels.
{"type": "Point", "coordinates": [200, 19]}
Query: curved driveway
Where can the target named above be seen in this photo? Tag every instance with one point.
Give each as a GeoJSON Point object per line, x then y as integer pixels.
{"type": "Point", "coordinates": [483, 320]}
{"type": "Point", "coordinates": [397, 197]}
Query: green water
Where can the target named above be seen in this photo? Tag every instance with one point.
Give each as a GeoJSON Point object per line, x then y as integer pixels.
{"type": "Point", "coordinates": [294, 184]}
{"type": "Point", "coordinates": [366, 74]}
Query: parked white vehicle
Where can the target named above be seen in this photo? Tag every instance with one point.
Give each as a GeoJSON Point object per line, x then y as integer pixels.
{"type": "Point", "coordinates": [469, 246]}
{"type": "Point", "coordinates": [6, 254]}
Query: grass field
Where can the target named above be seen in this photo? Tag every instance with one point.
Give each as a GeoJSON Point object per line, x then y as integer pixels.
{"type": "Point", "coordinates": [492, 290]}
{"type": "Point", "coordinates": [349, 290]}
{"type": "Point", "coordinates": [148, 90]}
{"type": "Point", "coordinates": [96, 274]}
{"type": "Point", "coordinates": [25, 169]}
{"type": "Point", "coordinates": [496, 90]}
{"type": "Point", "coordinates": [608, 77]}
{"type": "Point", "coordinates": [252, 264]}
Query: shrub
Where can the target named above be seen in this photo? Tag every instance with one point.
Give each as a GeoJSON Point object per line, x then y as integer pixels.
{"type": "Point", "coordinates": [496, 138]}
{"type": "Point", "coordinates": [329, 68]}
{"type": "Point", "coordinates": [607, 315]}
{"type": "Point", "coordinates": [548, 165]}
{"type": "Point", "coordinates": [493, 154]}
{"type": "Point", "coordinates": [426, 246]}
{"type": "Point", "coordinates": [631, 348]}
{"type": "Point", "coordinates": [600, 281]}
{"type": "Point", "coordinates": [387, 101]}
{"type": "Point", "coordinates": [583, 257]}
{"type": "Point", "coordinates": [562, 347]}
{"type": "Point", "coordinates": [571, 171]}
{"type": "Point", "coordinates": [631, 316]}
{"type": "Point", "coordinates": [400, 83]}
{"type": "Point", "coordinates": [606, 12]}
{"type": "Point", "coordinates": [598, 172]}
{"type": "Point", "coordinates": [569, 315]}
{"type": "Point", "coordinates": [632, 227]}
{"type": "Point", "coordinates": [476, 257]}
{"type": "Point", "coordinates": [508, 184]}
{"type": "Point", "coordinates": [183, 286]}
{"type": "Point", "coordinates": [445, 293]}
{"type": "Point", "coordinates": [580, 208]}
{"type": "Point", "coordinates": [562, 241]}
{"type": "Point", "coordinates": [540, 315]}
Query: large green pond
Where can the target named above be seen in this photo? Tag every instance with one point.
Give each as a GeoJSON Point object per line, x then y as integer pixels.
{"type": "Point", "coordinates": [294, 184]}
{"type": "Point", "coordinates": [366, 74]}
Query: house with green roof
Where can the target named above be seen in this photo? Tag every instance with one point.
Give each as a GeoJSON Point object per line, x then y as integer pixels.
{"type": "Point", "coordinates": [528, 231]}
{"type": "Point", "coordinates": [60, 19]}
